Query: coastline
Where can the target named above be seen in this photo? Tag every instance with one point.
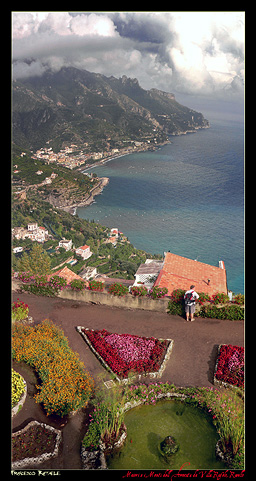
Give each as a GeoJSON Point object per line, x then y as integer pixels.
{"type": "Point", "coordinates": [123, 154]}
{"type": "Point", "coordinates": [71, 209]}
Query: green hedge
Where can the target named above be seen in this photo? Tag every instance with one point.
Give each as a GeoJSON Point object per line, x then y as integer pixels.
{"type": "Point", "coordinates": [233, 312]}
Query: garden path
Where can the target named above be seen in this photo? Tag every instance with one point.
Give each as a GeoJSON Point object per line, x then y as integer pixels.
{"type": "Point", "coordinates": [191, 363]}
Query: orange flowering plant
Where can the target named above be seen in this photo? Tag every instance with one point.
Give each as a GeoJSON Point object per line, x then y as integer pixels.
{"type": "Point", "coordinates": [65, 385]}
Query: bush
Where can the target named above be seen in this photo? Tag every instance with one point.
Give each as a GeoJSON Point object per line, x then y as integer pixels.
{"type": "Point", "coordinates": [177, 295]}
{"type": "Point", "coordinates": [232, 313]}
{"type": "Point", "coordinates": [65, 385]}
{"type": "Point", "coordinates": [239, 299]}
{"type": "Point", "coordinates": [58, 282]}
{"type": "Point", "coordinates": [175, 308]}
{"type": "Point", "coordinates": [20, 310]}
{"type": "Point", "coordinates": [220, 298]}
{"type": "Point", "coordinates": [118, 289]}
{"type": "Point", "coordinates": [25, 277]}
{"type": "Point", "coordinates": [203, 297]}
{"type": "Point", "coordinates": [158, 292]}
{"type": "Point", "coordinates": [41, 290]}
{"type": "Point", "coordinates": [96, 285]}
{"type": "Point", "coordinates": [77, 285]}
{"type": "Point", "coordinates": [210, 310]}
{"type": "Point", "coordinates": [40, 286]}
{"type": "Point", "coordinates": [139, 291]}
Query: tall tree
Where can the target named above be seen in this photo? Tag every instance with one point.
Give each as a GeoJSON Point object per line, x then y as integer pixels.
{"type": "Point", "coordinates": [36, 262]}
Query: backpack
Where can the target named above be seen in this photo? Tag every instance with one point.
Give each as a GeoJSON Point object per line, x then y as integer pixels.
{"type": "Point", "coordinates": [189, 298]}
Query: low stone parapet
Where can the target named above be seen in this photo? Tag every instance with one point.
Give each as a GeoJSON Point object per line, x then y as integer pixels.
{"type": "Point", "coordinates": [128, 301]}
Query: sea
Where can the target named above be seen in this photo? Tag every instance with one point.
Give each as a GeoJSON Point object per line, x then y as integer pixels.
{"type": "Point", "coordinates": [187, 197]}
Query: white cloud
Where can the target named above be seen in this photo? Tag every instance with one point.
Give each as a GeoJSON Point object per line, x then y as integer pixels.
{"type": "Point", "coordinates": [193, 52]}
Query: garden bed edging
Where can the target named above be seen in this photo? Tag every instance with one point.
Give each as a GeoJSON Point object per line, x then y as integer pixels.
{"type": "Point", "coordinates": [217, 382]}
{"type": "Point", "coordinates": [151, 375]}
{"type": "Point", "coordinates": [43, 457]}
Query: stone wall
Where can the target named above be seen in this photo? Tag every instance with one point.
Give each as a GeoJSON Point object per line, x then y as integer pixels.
{"type": "Point", "coordinates": [104, 298]}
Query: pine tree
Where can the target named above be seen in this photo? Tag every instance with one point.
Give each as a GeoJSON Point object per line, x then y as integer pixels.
{"type": "Point", "coordinates": [36, 262]}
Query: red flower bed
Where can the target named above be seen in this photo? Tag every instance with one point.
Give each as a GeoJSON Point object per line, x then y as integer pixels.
{"type": "Point", "coordinates": [125, 353]}
{"type": "Point", "coordinates": [230, 367]}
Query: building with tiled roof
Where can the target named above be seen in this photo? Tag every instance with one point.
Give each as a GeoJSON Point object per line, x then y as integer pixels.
{"type": "Point", "coordinates": [67, 274]}
{"type": "Point", "coordinates": [180, 273]}
{"type": "Point", "coordinates": [84, 251]}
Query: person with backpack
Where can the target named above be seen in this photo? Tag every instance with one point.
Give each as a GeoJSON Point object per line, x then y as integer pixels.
{"type": "Point", "coordinates": [190, 297]}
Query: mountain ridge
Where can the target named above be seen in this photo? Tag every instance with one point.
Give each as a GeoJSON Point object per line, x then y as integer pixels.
{"type": "Point", "coordinates": [81, 107]}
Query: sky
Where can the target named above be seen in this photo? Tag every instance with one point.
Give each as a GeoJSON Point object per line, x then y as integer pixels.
{"type": "Point", "coordinates": [196, 54]}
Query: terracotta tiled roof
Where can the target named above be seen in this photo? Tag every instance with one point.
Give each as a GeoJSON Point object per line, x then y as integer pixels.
{"type": "Point", "coordinates": [67, 274]}
{"type": "Point", "coordinates": [83, 247]}
{"type": "Point", "coordinates": [180, 273]}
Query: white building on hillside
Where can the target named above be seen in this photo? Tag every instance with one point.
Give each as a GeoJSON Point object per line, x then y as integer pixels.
{"type": "Point", "coordinates": [66, 244]}
{"type": "Point", "coordinates": [147, 273]}
{"type": "Point", "coordinates": [84, 251]}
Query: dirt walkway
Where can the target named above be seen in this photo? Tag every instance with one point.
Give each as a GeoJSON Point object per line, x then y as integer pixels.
{"type": "Point", "coordinates": [191, 363]}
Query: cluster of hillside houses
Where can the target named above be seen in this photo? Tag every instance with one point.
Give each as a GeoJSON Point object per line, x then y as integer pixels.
{"type": "Point", "coordinates": [173, 272]}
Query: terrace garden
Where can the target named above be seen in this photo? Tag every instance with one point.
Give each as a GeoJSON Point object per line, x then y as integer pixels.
{"type": "Point", "coordinates": [64, 384]}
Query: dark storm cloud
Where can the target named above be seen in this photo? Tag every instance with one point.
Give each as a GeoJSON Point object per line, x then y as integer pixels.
{"type": "Point", "coordinates": [193, 52]}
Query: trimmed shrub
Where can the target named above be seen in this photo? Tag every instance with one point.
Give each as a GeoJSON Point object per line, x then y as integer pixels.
{"type": "Point", "coordinates": [230, 312]}
{"type": "Point", "coordinates": [158, 292]}
{"type": "Point", "coordinates": [118, 289]}
{"type": "Point", "coordinates": [96, 285]}
{"type": "Point", "coordinates": [220, 298]}
{"type": "Point", "coordinates": [139, 291]}
{"type": "Point", "coordinates": [77, 285]}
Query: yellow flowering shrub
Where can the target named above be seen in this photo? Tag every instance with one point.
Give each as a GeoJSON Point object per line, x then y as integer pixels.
{"type": "Point", "coordinates": [65, 386]}
{"type": "Point", "coordinates": [18, 387]}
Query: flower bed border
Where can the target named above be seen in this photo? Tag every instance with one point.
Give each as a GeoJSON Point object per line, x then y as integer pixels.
{"type": "Point", "coordinates": [218, 382]}
{"type": "Point", "coordinates": [22, 399]}
{"type": "Point", "coordinates": [153, 375]}
{"type": "Point", "coordinates": [42, 457]}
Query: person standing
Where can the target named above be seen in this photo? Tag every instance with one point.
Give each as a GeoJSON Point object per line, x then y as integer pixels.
{"type": "Point", "coordinates": [190, 297]}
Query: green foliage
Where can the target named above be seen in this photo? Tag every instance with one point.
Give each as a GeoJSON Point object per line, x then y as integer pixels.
{"type": "Point", "coordinates": [96, 285]}
{"type": "Point", "coordinates": [175, 308]}
{"type": "Point", "coordinates": [124, 259]}
{"type": "Point", "coordinates": [177, 295]}
{"type": "Point", "coordinates": [36, 262]}
{"type": "Point", "coordinates": [210, 309]}
{"type": "Point", "coordinates": [239, 299]}
{"type": "Point", "coordinates": [41, 286]}
{"type": "Point", "coordinates": [139, 291]}
{"type": "Point", "coordinates": [220, 298]}
{"type": "Point", "coordinates": [203, 297]}
{"type": "Point", "coordinates": [227, 410]}
{"type": "Point", "coordinates": [106, 419]}
{"type": "Point", "coordinates": [77, 285]}
{"type": "Point", "coordinates": [169, 446]}
{"type": "Point", "coordinates": [84, 121]}
{"type": "Point", "coordinates": [231, 312]}
{"type": "Point", "coordinates": [158, 292]}
{"type": "Point", "coordinates": [20, 310]}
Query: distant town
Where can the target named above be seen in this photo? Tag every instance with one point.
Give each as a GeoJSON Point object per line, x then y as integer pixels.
{"type": "Point", "coordinates": [73, 157]}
